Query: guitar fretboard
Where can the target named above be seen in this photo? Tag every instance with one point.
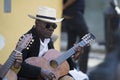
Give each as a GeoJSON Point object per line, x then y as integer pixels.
{"type": "Point", "coordinates": [69, 53]}
{"type": "Point", "coordinates": [5, 68]}
{"type": "Point", "coordinates": [87, 39]}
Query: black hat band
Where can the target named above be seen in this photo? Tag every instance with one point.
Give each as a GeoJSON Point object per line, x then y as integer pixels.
{"type": "Point", "coordinates": [52, 18]}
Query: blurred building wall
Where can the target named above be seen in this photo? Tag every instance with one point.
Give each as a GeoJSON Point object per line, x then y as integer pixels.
{"type": "Point", "coordinates": [94, 15]}
{"type": "Point", "coordinates": [14, 22]}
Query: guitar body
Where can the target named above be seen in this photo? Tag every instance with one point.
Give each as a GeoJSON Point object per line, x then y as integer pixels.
{"type": "Point", "coordinates": [44, 62]}
{"type": "Point", "coordinates": [10, 75]}
{"type": "Point", "coordinates": [56, 62]}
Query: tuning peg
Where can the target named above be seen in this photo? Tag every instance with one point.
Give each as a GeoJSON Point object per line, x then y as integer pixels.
{"type": "Point", "coordinates": [32, 40]}
{"type": "Point", "coordinates": [27, 48]}
{"type": "Point", "coordinates": [29, 45]}
{"type": "Point", "coordinates": [23, 36]}
{"type": "Point", "coordinates": [86, 36]}
{"type": "Point", "coordinates": [88, 44]}
{"type": "Point", "coordinates": [20, 39]}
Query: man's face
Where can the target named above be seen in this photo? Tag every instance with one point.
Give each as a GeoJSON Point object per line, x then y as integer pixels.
{"type": "Point", "coordinates": [45, 29]}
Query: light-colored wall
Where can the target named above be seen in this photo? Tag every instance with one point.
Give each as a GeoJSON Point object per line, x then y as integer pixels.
{"type": "Point", "coordinates": [16, 23]}
{"type": "Point", "coordinates": [94, 15]}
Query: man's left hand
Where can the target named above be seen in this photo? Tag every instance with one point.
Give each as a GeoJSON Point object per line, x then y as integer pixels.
{"type": "Point", "coordinates": [79, 50]}
{"type": "Point", "coordinates": [18, 60]}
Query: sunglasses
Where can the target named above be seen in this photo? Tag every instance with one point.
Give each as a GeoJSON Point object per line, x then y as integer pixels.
{"type": "Point", "coordinates": [53, 25]}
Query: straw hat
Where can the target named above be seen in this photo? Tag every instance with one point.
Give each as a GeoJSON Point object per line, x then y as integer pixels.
{"type": "Point", "coordinates": [46, 14]}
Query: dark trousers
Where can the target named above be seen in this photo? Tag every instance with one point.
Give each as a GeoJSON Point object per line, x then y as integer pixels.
{"type": "Point", "coordinates": [76, 28]}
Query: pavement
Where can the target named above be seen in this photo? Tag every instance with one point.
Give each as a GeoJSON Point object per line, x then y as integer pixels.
{"type": "Point", "coordinates": [96, 55]}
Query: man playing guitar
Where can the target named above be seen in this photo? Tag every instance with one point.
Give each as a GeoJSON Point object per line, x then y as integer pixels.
{"type": "Point", "coordinates": [45, 24]}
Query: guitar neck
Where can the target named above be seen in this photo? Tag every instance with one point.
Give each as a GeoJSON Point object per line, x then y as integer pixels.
{"type": "Point", "coordinates": [22, 44]}
{"type": "Point", "coordinates": [66, 55]}
{"type": "Point", "coordinates": [7, 65]}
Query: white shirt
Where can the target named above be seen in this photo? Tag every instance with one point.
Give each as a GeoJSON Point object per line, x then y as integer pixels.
{"type": "Point", "coordinates": [43, 47]}
{"type": "Point", "coordinates": [78, 75]}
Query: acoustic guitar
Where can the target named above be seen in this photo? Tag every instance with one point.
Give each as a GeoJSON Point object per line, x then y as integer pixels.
{"type": "Point", "coordinates": [56, 62]}
{"type": "Point", "coordinates": [5, 72]}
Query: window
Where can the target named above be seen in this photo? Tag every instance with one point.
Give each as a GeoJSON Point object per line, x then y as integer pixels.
{"type": "Point", "coordinates": [7, 6]}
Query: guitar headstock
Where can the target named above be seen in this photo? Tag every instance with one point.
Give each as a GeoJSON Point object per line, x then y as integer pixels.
{"type": "Point", "coordinates": [88, 39]}
{"type": "Point", "coordinates": [24, 41]}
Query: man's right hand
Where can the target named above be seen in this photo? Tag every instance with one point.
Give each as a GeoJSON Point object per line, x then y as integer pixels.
{"type": "Point", "coordinates": [47, 75]}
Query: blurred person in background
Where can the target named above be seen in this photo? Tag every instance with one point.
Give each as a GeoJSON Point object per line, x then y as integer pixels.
{"type": "Point", "coordinates": [109, 69]}
{"type": "Point", "coordinates": [111, 15]}
{"type": "Point", "coordinates": [76, 28]}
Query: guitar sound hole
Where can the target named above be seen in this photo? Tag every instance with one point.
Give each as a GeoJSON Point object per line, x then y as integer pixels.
{"type": "Point", "coordinates": [53, 64]}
